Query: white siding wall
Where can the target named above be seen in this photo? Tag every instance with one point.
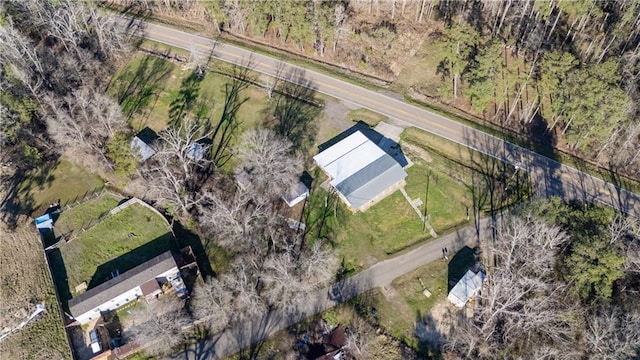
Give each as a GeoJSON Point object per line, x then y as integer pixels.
{"type": "Point", "coordinates": [113, 304]}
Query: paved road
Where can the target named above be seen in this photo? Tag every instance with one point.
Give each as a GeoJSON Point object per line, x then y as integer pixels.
{"type": "Point", "coordinates": [551, 177]}
{"type": "Point", "coordinates": [249, 335]}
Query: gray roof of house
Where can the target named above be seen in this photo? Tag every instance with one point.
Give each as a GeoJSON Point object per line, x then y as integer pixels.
{"type": "Point", "coordinates": [120, 284]}
{"type": "Point", "coordinates": [144, 150]}
{"type": "Point", "coordinates": [370, 181]}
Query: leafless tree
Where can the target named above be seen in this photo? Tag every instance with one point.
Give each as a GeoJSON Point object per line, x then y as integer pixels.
{"type": "Point", "coordinates": [290, 277]}
{"type": "Point", "coordinates": [212, 304]}
{"type": "Point", "coordinates": [267, 165]}
{"type": "Point", "coordinates": [612, 334]}
{"type": "Point", "coordinates": [86, 120]}
{"type": "Point", "coordinates": [159, 327]}
{"type": "Point", "coordinates": [359, 335]}
{"type": "Point", "coordinates": [522, 300]}
{"type": "Point", "coordinates": [180, 143]}
{"type": "Point", "coordinates": [172, 172]}
{"type": "Point", "coordinates": [168, 186]}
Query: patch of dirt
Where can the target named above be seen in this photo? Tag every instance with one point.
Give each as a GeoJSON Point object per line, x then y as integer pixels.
{"type": "Point", "coordinates": [444, 314]}
{"type": "Point", "coordinates": [334, 120]}
{"type": "Point", "coordinates": [416, 151]}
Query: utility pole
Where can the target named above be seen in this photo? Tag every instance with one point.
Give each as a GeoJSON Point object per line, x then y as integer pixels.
{"type": "Point", "coordinates": [426, 202]}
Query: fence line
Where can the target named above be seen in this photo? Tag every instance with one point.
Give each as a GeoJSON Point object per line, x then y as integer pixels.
{"type": "Point", "coordinates": [72, 234]}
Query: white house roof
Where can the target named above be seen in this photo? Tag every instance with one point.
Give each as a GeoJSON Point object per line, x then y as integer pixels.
{"type": "Point", "coordinates": [359, 168]}
{"type": "Point", "coordinates": [466, 288]}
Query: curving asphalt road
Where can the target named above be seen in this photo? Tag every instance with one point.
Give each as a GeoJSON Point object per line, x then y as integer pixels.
{"type": "Point", "coordinates": [550, 176]}
{"type": "Point", "coordinates": [249, 335]}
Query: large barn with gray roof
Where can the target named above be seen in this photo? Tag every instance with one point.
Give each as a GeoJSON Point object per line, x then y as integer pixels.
{"type": "Point", "coordinates": [360, 171]}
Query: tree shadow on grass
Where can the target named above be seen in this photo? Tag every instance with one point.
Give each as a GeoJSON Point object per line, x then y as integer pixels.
{"type": "Point", "coordinates": [135, 90]}
{"type": "Point", "coordinates": [18, 199]}
{"type": "Point", "coordinates": [187, 98]}
{"type": "Point", "coordinates": [294, 109]}
{"type": "Point", "coordinates": [60, 278]}
{"type": "Point", "coordinates": [429, 337]}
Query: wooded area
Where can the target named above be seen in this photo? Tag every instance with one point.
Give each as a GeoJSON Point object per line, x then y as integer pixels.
{"type": "Point", "coordinates": [564, 72]}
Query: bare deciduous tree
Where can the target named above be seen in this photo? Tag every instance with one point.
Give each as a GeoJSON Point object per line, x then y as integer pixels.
{"type": "Point", "coordinates": [159, 326]}
{"type": "Point", "coordinates": [266, 163]}
{"type": "Point", "coordinates": [172, 172]}
{"type": "Point", "coordinates": [612, 334]}
{"type": "Point", "coordinates": [522, 301]}
{"type": "Point", "coordinates": [86, 119]}
{"type": "Point", "coordinates": [212, 304]}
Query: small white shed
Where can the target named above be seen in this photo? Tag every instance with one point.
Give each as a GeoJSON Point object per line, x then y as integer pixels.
{"type": "Point", "coordinates": [466, 288]}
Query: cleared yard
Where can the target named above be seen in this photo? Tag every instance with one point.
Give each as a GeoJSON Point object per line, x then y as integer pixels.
{"type": "Point", "coordinates": [148, 85]}
{"type": "Point", "coordinates": [371, 236]}
{"type": "Point", "coordinates": [24, 282]}
{"type": "Point", "coordinates": [120, 242]}
{"type": "Point", "coordinates": [393, 225]}
{"type": "Point", "coordinates": [86, 212]}
{"type": "Point", "coordinates": [65, 182]}
{"type": "Point", "coordinates": [447, 199]}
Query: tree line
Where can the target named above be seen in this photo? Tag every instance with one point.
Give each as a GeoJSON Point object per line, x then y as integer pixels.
{"type": "Point", "coordinates": [562, 283]}
{"type": "Point", "coordinates": [570, 65]}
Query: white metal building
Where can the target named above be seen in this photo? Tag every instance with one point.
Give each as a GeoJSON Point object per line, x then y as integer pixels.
{"type": "Point", "coordinates": [360, 170]}
{"type": "Point", "coordinates": [466, 288]}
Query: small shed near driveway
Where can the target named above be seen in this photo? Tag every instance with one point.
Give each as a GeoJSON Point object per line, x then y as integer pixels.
{"type": "Point", "coordinates": [467, 288]}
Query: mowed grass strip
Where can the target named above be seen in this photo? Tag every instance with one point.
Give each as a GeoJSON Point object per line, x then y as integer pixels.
{"type": "Point", "coordinates": [81, 215]}
{"type": "Point", "coordinates": [370, 236]}
{"type": "Point", "coordinates": [393, 225]}
{"type": "Point", "coordinates": [120, 242]}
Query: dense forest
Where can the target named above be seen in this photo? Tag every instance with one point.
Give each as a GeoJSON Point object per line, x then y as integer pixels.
{"type": "Point", "coordinates": [558, 72]}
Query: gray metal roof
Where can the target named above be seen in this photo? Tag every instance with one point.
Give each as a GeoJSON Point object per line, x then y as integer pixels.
{"type": "Point", "coordinates": [370, 181]}
{"type": "Point", "coordinates": [144, 150]}
{"type": "Point", "coordinates": [108, 290]}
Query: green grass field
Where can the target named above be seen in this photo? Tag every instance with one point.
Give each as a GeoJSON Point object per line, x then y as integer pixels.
{"type": "Point", "coordinates": [120, 242]}
{"type": "Point", "coordinates": [370, 236]}
{"type": "Point", "coordinates": [447, 199]}
{"type": "Point", "coordinates": [403, 303]}
{"type": "Point", "coordinates": [65, 182]}
{"type": "Point", "coordinates": [368, 116]}
{"type": "Point", "coordinates": [392, 224]}
{"type": "Point", "coordinates": [90, 210]}
{"type": "Point", "coordinates": [151, 84]}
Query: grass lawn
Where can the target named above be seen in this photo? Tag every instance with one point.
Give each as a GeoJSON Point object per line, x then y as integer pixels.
{"type": "Point", "coordinates": [92, 209]}
{"type": "Point", "coordinates": [154, 84]}
{"type": "Point", "coordinates": [65, 182]}
{"type": "Point", "coordinates": [383, 229]}
{"type": "Point", "coordinates": [368, 116]}
{"type": "Point", "coordinates": [402, 304]}
{"type": "Point", "coordinates": [122, 241]}
{"type": "Point", "coordinates": [392, 225]}
{"type": "Point", "coordinates": [447, 201]}
{"type": "Point", "coordinates": [25, 281]}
